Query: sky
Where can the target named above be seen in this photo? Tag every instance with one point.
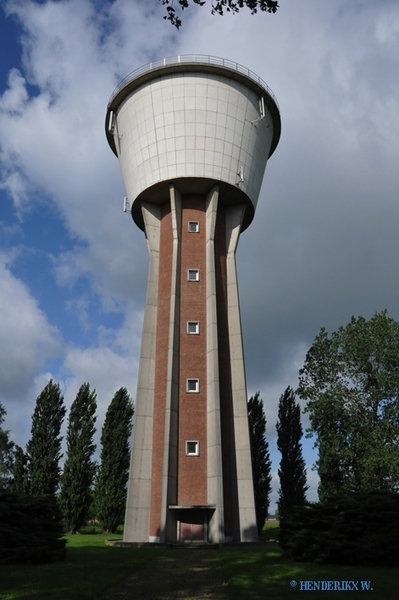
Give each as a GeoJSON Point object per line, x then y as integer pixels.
{"type": "Point", "coordinates": [324, 244]}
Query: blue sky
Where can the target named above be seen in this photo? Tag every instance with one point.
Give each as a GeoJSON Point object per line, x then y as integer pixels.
{"type": "Point", "coordinates": [324, 243]}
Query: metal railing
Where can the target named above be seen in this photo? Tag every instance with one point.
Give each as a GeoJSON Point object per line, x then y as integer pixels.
{"type": "Point", "coordinates": [192, 58]}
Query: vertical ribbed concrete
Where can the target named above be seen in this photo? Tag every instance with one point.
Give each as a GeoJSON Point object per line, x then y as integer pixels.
{"type": "Point", "coordinates": [192, 135]}
{"type": "Point", "coordinates": [139, 486]}
{"type": "Point", "coordinates": [243, 467]}
{"type": "Point", "coordinates": [169, 480]}
{"type": "Point", "coordinates": [215, 466]}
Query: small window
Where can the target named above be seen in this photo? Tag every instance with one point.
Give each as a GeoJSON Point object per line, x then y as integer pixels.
{"type": "Point", "coordinates": [192, 386]}
{"type": "Point", "coordinates": [192, 448]}
{"type": "Point", "coordinates": [193, 274]}
{"type": "Point", "coordinates": [193, 226]}
{"type": "Point", "coordinates": [193, 327]}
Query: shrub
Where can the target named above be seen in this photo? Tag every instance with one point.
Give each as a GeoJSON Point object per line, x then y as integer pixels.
{"type": "Point", "coordinates": [354, 528]}
{"type": "Point", "coordinates": [30, 530]}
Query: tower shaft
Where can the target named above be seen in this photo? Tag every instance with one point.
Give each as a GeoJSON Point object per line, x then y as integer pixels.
{"type": "Point", "coordinates": [193, 137]}
{"type": "Point", "coordinates": [191, 337]}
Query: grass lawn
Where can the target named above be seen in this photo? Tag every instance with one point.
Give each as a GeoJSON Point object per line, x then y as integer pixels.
{"type": "Point", "coordinates": [259, 572]}
{"type": "Point", "coordinates": [89, 567]}
{"type": "Point", "coordinates": [252, 572]}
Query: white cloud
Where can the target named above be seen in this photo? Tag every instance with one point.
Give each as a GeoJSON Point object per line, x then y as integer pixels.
{"type": "Point", "coordinates": [53, 142]}
{"type": "Point", "coordinates": [27, 338]}
{"type": "Point", "coordinates": [53, 148]}
{"type": "Point", "coordinates": [106, 367]}
{"type": "Point", "coordinates": [324, 241]}
{"type": "Point", "coordinates": [15, 185]}
{"type": "Point", "coordinates": [14, 99]}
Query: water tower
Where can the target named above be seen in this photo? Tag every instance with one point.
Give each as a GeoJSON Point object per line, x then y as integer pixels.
{"type": "Point", "coordinates": [192, 135]}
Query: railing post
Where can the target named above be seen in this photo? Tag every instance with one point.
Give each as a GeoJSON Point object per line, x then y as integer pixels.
{"type": "Point", "coordinates": [201, 58]}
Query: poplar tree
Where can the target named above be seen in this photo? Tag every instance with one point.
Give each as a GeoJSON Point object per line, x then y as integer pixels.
{"type": "Point", "coordinates": [20, 481]}
{"type": "Point", "coordinates": [292, 471]}
{"type": "Point", "coordinates": [79, 469]}
{"type": "Point", "coordinates": [261, 463]}
{"type": "Point", "coordinates": [113, 472]}
{"type": "Point", "coordinates": [44, 447]}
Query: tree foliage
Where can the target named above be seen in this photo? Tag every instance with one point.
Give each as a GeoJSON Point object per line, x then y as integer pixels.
{"type": "Point", "coordinates": [292, 471]}
{"type": "Point", "coordinates": [112, 475]}
{"type": "Point", "coordinates": [6, 453]}
{"type": "Point", "coordinates": [219, 7]}
{"type": "Point", "coordinates": [30, 530]}
{"type": "Point", "coordinates": [351, 528]}
{"type": "Point", "coordinates": [44, 447]}
{"type": "Point", "coordinates": [79, 469]}
{"type": "Point", "coordinates": [350, 382]}
{"type": "Point", "coordinates": [261, 463]}
{"type": "Point", "coordinates": [20, 481]}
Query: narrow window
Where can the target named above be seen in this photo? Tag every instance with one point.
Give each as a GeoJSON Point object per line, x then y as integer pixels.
{"type": "Point", "coordinates": [192, 386]}
{"type": "Point", "coordinates": [193, 226]}
{"type": "Point", "coordinates": [193, 327]}
{"type": "Point", "coordinates": [192, 448]}
{"type": "Point", "coordinates": [193, 274]}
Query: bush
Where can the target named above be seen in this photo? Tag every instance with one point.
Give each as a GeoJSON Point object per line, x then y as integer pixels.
{"type": "Point", "coordinates": [356, 528]}
{"type": "Point", "coordinates": [30, 530]}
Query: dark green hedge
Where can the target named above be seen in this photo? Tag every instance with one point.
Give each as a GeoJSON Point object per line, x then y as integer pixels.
{"type": "Point", "coordinates": [358, 528]}
{"type": "Point", "coordinates": [30, 530]}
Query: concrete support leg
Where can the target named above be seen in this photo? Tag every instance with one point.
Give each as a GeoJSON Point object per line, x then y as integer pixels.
{"type": "Point", "coordinates": [139, 485]}
{"type": "Point", "coordinates": [169, 476]}
{"type": "Point", "coordinates": [215, 473]}
{"type": "Point", "coordinates": [245, 491]}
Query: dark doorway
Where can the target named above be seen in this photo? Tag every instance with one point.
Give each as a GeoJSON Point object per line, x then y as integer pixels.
{"type": "Point", "coordinates": [192, 527]}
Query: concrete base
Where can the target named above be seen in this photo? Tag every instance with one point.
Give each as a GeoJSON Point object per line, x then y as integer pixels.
{"type": "Point", "coordinates": [182, 545]}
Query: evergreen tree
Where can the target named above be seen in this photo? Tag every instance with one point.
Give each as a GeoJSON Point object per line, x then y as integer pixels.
{"type": "Point", "coordinates": [351, 528]}
{"type": "Point", "coordinates": [20, 481]}
{"type": "Point", "coordinates": [261, 463]}
{"type": "Point", "coordinates": [292, 471]}
{"type": "Point", "coordinates": [79, 469]}
{"type": "Point", "coordinates": [113, 472]}
{"type": "Point", "coordinates": [44, 446]}
{"type": "Point", "coordinates": [6, 453]}
{"type": "Point", "coordinates": [31, 531]}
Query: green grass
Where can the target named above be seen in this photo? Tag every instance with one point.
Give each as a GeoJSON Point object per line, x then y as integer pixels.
{"type": "Point", "coordinates": [89, 568]}
{"type": "Point", "coordinates": [270, 531]}
{"type": "Point", "coordinates": [259, 572]}
{"type": "Point", "coordinates": [253, 572]}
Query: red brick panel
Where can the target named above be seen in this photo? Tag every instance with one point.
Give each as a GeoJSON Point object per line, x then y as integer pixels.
{"type": "Point", "coordinates": [192, 477]}
{"type": "Point", "coordinates": [224, 371]}
{"type": "Point", "coordinates": [161, 364]}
